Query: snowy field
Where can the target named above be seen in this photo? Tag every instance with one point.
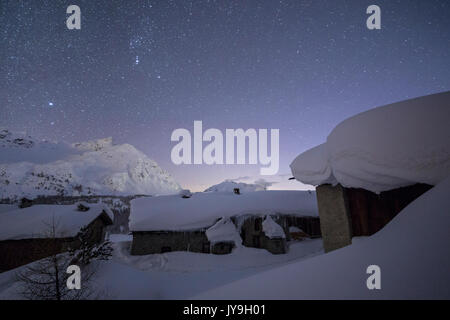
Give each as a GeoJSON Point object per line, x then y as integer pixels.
{"type": "Point", "coordinates": [176, 275]}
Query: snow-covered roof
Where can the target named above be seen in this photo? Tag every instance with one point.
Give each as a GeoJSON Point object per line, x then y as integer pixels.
{"type": "Point", "coordinates": [36, 221]}
{"type": "Point", "coordinates": [384, 148]}
{"type": "Point", "coordinates": [203, 209]}
{"type": "Point", "coordinates": [414, 245]}
{"type": "Point", "coordinates": [293, 229]}
{"type": "Point", "coordinates": [223, 230]}
{"type": "Point", "coordinates": [7, 207]}
{"type": "Point", "coordinates": [272, 229]}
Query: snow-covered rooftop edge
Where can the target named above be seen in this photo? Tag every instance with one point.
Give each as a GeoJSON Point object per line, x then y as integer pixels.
{"type": "Point", "coordinates": [384, 148]}
{"type": "Point", "coordinates": [203, 210]}
{"type": "Point", "coordinates": [37, 221]}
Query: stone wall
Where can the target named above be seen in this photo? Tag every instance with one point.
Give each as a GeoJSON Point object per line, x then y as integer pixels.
{"type": "Point", "coordinates": [309, 225]}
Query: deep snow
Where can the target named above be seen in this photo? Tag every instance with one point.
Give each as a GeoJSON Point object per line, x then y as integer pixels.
{"type": "Point", "coordinates": [31, 168]}
{"type": "Point", "coordinates": [37, 221]}
{"type": "Point", "coordinates": [203, 209]}
{"type": "Point", "coordinates": [412, 252]}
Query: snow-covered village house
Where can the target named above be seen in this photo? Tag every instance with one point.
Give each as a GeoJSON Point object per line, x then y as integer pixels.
{"type": "Point", "coordinates": [36, 232]}
{"type": "Point", "coordinates": [374, 164]}
{"type": "Point", "coordinates": [216, 222]}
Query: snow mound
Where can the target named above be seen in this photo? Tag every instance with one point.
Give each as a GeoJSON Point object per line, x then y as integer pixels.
{"type": "Point", "coordinates": [229, 186]}
{"type": "Point", "coordinates": [411, 251]}
{"type": "Point", "coordinates": [20, 147]}
{"type": "Point", "coordinates": [91, 168]}
{"type": "Point", "coordinates": [223, 230]}
{"type": "Point", "coordinates": [293, 229]}
{"type": "Point", "coordinates": [272, 229]}
{"type": "Point", "coordinates": [37, 221]}
{"type": "Point", "coordinates": [384, 148]}
{"type": "Point", "coordinates": [203, 209]}
{"type": "Point", "coordinates": [7, 207]}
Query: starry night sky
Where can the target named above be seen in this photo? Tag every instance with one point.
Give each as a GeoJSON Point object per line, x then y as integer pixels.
{"type": "Point", "coordinates": [137, 70]}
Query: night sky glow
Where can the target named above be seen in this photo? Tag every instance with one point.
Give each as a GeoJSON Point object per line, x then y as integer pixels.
{"type": "Point", "coordinates": [137, 70]}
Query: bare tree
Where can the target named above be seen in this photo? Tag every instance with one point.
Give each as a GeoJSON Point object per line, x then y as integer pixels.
{"type": "Point", "coordinates": [46, 279]}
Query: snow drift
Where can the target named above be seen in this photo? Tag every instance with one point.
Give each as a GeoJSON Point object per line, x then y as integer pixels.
{"type": "Point", "coordinates": [384, 148]}
{"type": "Point", "coordinates": [412, 252]}
{"type": "Point", "coordinates": [30, 168]}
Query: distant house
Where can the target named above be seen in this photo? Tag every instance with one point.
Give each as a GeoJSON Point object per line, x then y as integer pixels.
{"type": "Point", "coordinates": [374, 164]}
{"type": "Point", "coordinates": [36, 232]}
{"type": "Point", "coordinates": [219, 221]}
{"type": "Point", "coordinates": [25, 203]}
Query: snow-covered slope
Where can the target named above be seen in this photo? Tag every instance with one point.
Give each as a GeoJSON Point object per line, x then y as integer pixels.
{"type": "Point", "coordinates": [384, 148]}
{"type": "Point", "coordinates": [30, 168]}
{"type": "Point", "coordinates": [224, 230]}
{"type": "Point", "coordinates": [411, 251]}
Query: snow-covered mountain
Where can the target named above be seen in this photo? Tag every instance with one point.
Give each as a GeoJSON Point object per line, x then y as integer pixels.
{"type": "Point", "coordinates": [412, 267]}
{"type": "Point", "coordinates": [29, 168]}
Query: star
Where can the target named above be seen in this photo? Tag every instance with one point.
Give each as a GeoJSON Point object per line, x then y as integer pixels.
{"type": "Point", "coordinates": [288, 64]}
